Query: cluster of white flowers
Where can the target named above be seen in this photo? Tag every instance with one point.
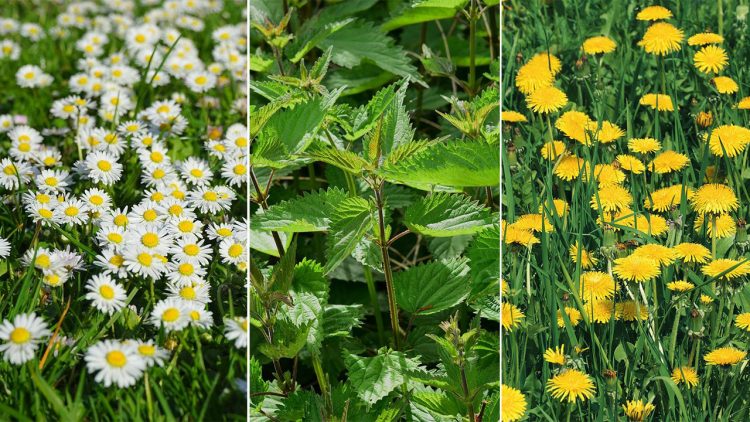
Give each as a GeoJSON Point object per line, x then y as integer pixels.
{"type": "Point", "coordinates": [73, 180]}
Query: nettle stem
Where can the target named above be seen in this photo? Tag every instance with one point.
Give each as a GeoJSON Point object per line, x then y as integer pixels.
{"type": "Point", "coordinates": [473, 17]}
{"type": "Point", "coordinates": [392, 307]}
{"type": "Point", "coordinates": [262, 199]}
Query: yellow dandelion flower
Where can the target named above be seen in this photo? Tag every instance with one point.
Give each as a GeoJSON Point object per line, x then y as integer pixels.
{"type": "Point", "coordinates": [513, 405]}
{"type": "Point", "coordinates": [504, 287]}
{"type": "Point", "coordinates": [611, 198]}
{"type": "Point", "coordinates": [652, 224]}
{"type": "Point", "coordinates": [685, 375]}
{"type": "Point", "coordinates": [600, 311]}
{"type": "Point", "coordinates": [560, 207]}
{"type": "Point", "coordinates": [725, 85]}
{"type": "Point", "coordinates": [511, 316]}
{"type": "Point", "coordinates": [631, 164]}
{"type": "Point", "coordinates": [512, 116]}
{"type": "Point", "coordinates": [728, 140]}
{"type": "Point", "coordinates": [744, 104]}
{"type": "Point", "coordinates": [653, 13]}
{"type": "Point", "coordinates": [704, 119]}
{"type": "Point", "coordinates": [546, 61]}
{"type": "Point", "coordinates": [596, 285]}
{"type": "Point", "coordinates": [636, 268]}
{"type": "Point", "coordinates": [530, 78]}
{"type": "Point", "coordinates": [605, 133]}
{"type": "Point", "coordinates": [714, 198]}
{"type": "Point", "coordinates": [637, 410]}
{"type": "Point", "coordinates": [711, 59]}
{"type": "Point", "coordinates": [568, 168]}
{"type": "Point", "coordinates": [680, 286]}
{"type": "Point", "coordinates": [705, 38]}
{"type": "Point", "coordinates": [659, 253]}
{"type": "Point", "coordinates": [608, 174]}
{"type": "Point", "coordinates": [742, 321]}
{"type": "Point", "coordinates": [629, 310]}
{"type": "Point", "coordinates": [599, 45]}
{"type": "Point", "coordinates": [668, 161]}
{"type": "Point", "coordinates": [574, 315]}
{"type": "Point", "coordinates": [555, 355]}
{"type": "Point", "coordinates": [588, 260]}
{"type": "Point", "coordinates": [533, 222]}
{"type": "Point", "coordinates": [571, 385]}
{"type": "Point", "coordinates": [661, 38]}
{"type": "Point", "coordinates": [724, 356]}
{"type": "Point", "coordinates": [574, 124]}
{"type": "Point", "coordinates": [665, 199]}
{"type": "Point", "coordinates": [644, 145]}
{"type": "Point", "coordinates": [692, 252]}
{"type": "Point", "coordinates": [552, 149]}
{"type": "Point", "coordinates": [726, 269]}
{"type": "Point", "coordinates": [725, 226]}
{"type": "Point", "coordinates": [547, 99]}
{"type": "Point", "coordinates": [706, 299]}
{"type": "Point", "coordinates": [518, 236]}
{"type": "Point", "coordinates": [661, 102]}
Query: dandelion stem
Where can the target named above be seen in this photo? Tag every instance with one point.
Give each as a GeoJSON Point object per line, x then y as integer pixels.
{"type": "Point", "coordinates": [673, 336]}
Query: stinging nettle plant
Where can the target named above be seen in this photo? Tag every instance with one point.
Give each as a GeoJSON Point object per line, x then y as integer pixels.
{"type": "Point", "coordinates": [375, 265]}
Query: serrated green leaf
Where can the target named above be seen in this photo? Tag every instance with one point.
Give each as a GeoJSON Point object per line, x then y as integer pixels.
{"type": "Point", "coordinates": [283, 272]}
{"type": "Point", "coordinates": [307, 213]}
{"type": "Point", "coordinates": [367, 116]}
{"type": "Point", "coordinates": [484, 259]}
{"type": "Point", "coordinates": [262, 241]}
{"type": "Point", "coordinates": [296, 126]}
{"type": "Point", "coordinates": [349, 224]}
{"type": "Point", "coordinates": [339, 320]}
{"type": "Point", "coordinates": [343, 159]}
{"type": "Point", "coordinates": [257, 384]}
{"type": "Point", "coordinates": [288, 340]}
{"type": "Point", "coordinates": [432, 287]}
{"type": "Point", "coordinates": [437, 402]}
{"type": "Point", "coordinates": [360, 41]}
{"type": "Point", "coordinates": [309, 277]}
{"type": "Point", "coordinates": [311, 35]}
{"type": "Point", "coordinates": [448, 247]}
{"type": "Point", "coordinates": [453, 163]}
{"type": "Point", "coordinates": [444, 215]}
{"type": "Point", "coordinates": [424, 11]}
{"type": "Point", "coordinates": [269, 152]}
{"type": "Point", "coordinates": [374, 378]}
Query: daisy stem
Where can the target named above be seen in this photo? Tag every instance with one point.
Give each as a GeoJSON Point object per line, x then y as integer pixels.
{"type": "Point", "coordinates": [149, 400]}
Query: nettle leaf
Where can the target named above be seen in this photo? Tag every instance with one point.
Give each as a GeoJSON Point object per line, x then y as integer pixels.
{"type": "Point", "coordinates": [438, 402]}
{"type": "Point", "coordinates": [448, 247]}
{"type": "Point", "coordinates": [296, 126]}
{"type": "Point", "coordinates": [312, 33]}
{"type": "Point", "coordinates": [349, 223]}
{"type": "Point", "coordinates": [283, 271]}
{"type": "Point", "coordinates": [270, 90]}
{"type": "Point", "coordinates": [375, 378]}
{"type": "Point", "coordinates": [309, 277]}
{"type": "Point", "coordinates": [262, 241]}
{"type": "Point", "coordinates": [444, 215]}
{"type": "Point", "coordinates": [362, 41]}
{"type": "Point", "coordinates": [307, 311]}
{"type": "Point", "coordinates": [269, 152]}
{"type": "Point", "coordinates": [367, 116]}
{"type": "Point", "coordinates": [424, 11]}
{"type": "Point", "coordinates": [432, 287]}
{"type": "Point", "coordinates": [288, 340]}
{"type": "Point", "coordinates": [343, 159]}
{"type": "Point", "coordinates": [453, 163]}
{"type": "Point", "coordinates": [257, 384]}
{"type": "Point", "coordinates": [359, 79]}
{"type": "Point", "coordinates": [260, 117]}
{"type": "Point", "coordinates": [339, 320]}
{"type": "Point", "coordinates": [484, 259]}
{"type": "Point", "coordinates": [307, 213]}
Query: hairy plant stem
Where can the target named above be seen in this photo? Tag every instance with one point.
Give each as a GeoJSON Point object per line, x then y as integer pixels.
{"type": "Point", "coordinates": [374, 302]}
{"type": "Point", "coordinates": [465, 387]}
{"type": "Point", "coordinates": [322, 382]}
{"type": "Point", "coordinates": [473, 17]}
{"type": "Point", "coordinates": [392, 307]}
{"type": "Point", "coordinates": [262, 199]}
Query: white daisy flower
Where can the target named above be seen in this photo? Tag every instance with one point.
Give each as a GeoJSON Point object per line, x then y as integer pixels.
{"type": "Point", "coordinates": [105, 294]}
{"type": "Point", "coordinates": [233, 251]}
{"type": "Point", "coordinates": [14, 173]}
{"type": "Point", "coordinates": [196, 172]}
{"type": "Point", "coordinates": [199, 315]}
{"type": "Point", "coordinates": [71, 211]}
{"type": "Point", "coordinates": [234, 171]}
{"type": "Point", "coordinates": [151, 353]}
{"type": "Point", "coordinates": [111, 235]}
{"type": "Point", "coordinates": [112, 263]}
{"type": "Point", "coordinates": [22, 337]}
{"type": "Point", "coordinates": [4, 248]}
{"type": "Point", "coordinates": [191, 250]}
{"type": "Point", "coordinates": [211, 200]}
{"type": "Point", "coordinates": [193, 292]}
{"type": "Point", "coordinates": [143, 262]}
{"type": "Point", "coordinates": [115, 363]}
{"type": "Point", "coordinates": [170, 313]}
{"type": "Point", "coordinates": [52, 180]}
{"type": "Point", "coordinates": [103, 168]}
{"type": "Point", "coordinates": [237, 330]}
{"type": "Point", "coordinates": [184, 273]}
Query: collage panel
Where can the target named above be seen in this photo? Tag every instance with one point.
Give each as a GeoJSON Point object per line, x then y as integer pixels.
{"type": "Point", "coordinates": [123, 210]}
{"type": "Point", "coordinates": [375, 225]}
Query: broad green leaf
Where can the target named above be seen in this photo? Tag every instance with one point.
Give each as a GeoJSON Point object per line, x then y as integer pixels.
{"type": "Point", "coordinates": [269, 152]}
{"type": "Point", "coordinates": [448, 247]}
{"type": "Point", "coordinates": [374, 378]}
{"type": "Point", "coordinates": [339, 320]}
{"type": "Point", "coordinates": [343, 159]}
{"type": "Point", "coordinates": [349, 224]}
{"type": "Point", "coordinates": [295, 126]}
{"type": "Point", "coordinates": [424, 11]}
{"type": "Point", "coordinates": [452, 163]}
{"type": "Point", "coordinates": [263, 116]}
{"type": "Point", "coordinates": [283, 271]}
{"type": "Point", "coordinates": [308, 213]}
{"type": "Point", "coordinates": [361, 41]}
{"type": "Point", "coordinates": [438, 402]}
{"type": "Point", "coordinates": [367, 116]}
{"type": "Point", "coordinates": [359, 78]}
{"type": "Point", "coordinates": [432, 287]}
{"type": "Point", "coordinates": [270, 90]}
{"type": "Point", "coordinates": [311, 35]}
{"type": "Point", "coordinates": [288, 340]}
{"type": "Point", "coordinates": [309, 277]}
{"type": "Point", "coordinates": [257, 384]}
{"type": "Point", "coordinates": [484, 259]}
{"type": "Point", "coordinates": [445, 215]}
{"type": "Point", "coordinates": [262, 241]}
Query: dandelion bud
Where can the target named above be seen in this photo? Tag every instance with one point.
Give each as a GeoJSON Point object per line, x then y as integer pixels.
{"type": "Point", "coordinates": [610, 379]}
{"type": "Point", "coordinates": [704, 119]}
